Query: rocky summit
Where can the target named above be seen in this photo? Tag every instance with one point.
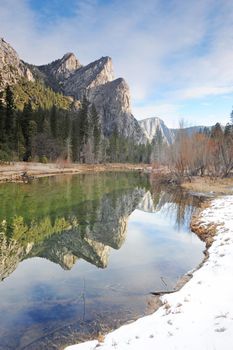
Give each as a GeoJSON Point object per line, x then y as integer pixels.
{"type": "Point", "coordinates": [12, 69]}
{"type": "Point", "coordinates": [69, 77]}
{"type": "Point", "coordinates": [96, 81]}
{"type": "Point", "coordinates": [151, 125]}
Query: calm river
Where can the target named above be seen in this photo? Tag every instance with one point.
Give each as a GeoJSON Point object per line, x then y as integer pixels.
{"type": "Point", "coordinates": [81, 254]}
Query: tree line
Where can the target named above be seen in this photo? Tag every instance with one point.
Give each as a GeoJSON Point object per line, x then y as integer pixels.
{"type": "Point", "coordinates": [206, 152]}
{"type": "Point", "coordinates": [41, 131]}
{"type": "Point", "coordinates": [40, 125]}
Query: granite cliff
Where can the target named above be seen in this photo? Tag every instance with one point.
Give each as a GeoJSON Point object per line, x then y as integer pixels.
{"type": "Point", "coordinates": [12, 69]}
{"type": "Point", "coordinates": [150, 125]}
{"type": "Point", "coordinates": [96, 81]}
{"type": "Point", "coordinates": [69, 77]}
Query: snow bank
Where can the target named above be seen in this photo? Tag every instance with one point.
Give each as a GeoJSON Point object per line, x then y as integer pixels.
{"type": "Point", "coordinates": [200, 315]}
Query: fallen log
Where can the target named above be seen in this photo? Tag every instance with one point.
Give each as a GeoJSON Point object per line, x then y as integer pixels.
{"type": "Point", "coordinates": [163, 292]}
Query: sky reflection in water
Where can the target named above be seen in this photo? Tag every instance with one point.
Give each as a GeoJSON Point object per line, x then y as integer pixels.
{"type": "Point", "coordinates": [39, 296]}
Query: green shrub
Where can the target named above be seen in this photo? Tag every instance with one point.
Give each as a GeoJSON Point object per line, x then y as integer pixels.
{"type": "Point", "coordinates": [43, 160]}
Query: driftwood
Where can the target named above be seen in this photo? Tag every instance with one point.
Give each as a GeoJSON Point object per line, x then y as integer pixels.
{"type": "Point", "coordinates": [26, 178]}
{"type": "Point", "coordinates": [178, 286]}
{"type": "Point", "coordinates": [163, 292]}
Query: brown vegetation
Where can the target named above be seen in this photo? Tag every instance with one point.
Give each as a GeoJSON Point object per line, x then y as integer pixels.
{"type": "Point", "coordinates": [205, 232]}
{"type": "Point", "coordinates": [205, 153]}
{"type": "Point", "coordinates": [13, 172]}
{"type": "Point", "coordinates": [209, 185]}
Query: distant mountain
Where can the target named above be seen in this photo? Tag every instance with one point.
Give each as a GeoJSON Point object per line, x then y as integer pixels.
{"type": "Point", "coordinates": [150, 125]}
{"type": "Point", "coordinates": [192, 129]}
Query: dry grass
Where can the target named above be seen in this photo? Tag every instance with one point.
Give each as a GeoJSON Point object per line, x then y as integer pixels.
{"type": "Point", "coordinates": [12, 172]}
{"type": "Point", "coordinates": [209, 185]}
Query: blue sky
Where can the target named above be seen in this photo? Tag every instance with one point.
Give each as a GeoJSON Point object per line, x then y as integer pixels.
{"type": "Point", "coordinates": [176, 55]}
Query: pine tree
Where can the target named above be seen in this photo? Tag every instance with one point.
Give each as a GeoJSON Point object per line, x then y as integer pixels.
{"type": "Point", "coordinates": [228, 130]}
{"type": "Point", "coordinates": [75, 140]}
{"type": "Point", "coordinates": [206, 131]}
{"type": "Point", "coordinates": [25, 126]}
{"type": "Point", "coordinates": [20, 143]}
{"type": "Point", "coordinates": [83, 127]}
{"type": "Point", "coordinates": [53, 121]}
{"type": "Point", "coordinates": [2, 119]}
{"type": "Point", "coordinates": [68, 143]}
{"type": "Point", "coordinates": [158, 142]}
{"type": "Point", "coordinates": [96, 132]}
{"type": "Point", "coordinates": [10, 114]}
{"type": "Point", "coordinates": [32, 131]}
{"type": "Point", "coordinates": [216, 131]}
{"type": "Point", "coordinates": [46, 127]}
{"type": "Point", "coordinates": [40, 117]}
{"type": "Point", "coordinates": [66, 126]}
{"type": "Point", "coordinates": [114, 145]}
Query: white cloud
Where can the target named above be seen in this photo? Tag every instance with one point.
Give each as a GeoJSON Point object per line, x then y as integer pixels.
{"type": "Point", "coordinates": [202, 91]}
{"type": "Point", "coordinates": [169, 113]}
{"type": "Point", "coordinates": [185, 48]}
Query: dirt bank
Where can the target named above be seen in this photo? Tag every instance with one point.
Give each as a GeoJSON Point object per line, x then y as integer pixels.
{"type": "Point", "coordinates": [13, 172]}
{"type": "Point", "coordinates": [208, 185]}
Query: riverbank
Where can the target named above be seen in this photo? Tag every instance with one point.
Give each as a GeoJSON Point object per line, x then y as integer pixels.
{"type": "Point", "coordinates": [198, 316]}
{"type": "Point", "coordinates": [210, 186]}
{"type": "Point", "coordinates": [13, 172]}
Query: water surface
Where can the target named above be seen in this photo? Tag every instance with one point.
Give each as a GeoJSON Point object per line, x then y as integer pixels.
{"type": "Point", "coordinates": [81, 254]}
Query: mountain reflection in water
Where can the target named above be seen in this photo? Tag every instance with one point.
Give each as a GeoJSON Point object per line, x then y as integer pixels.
{"type": "Point", "coordinates": [72, 219]}
{"type": "Point", "coordinates": [84, 221]}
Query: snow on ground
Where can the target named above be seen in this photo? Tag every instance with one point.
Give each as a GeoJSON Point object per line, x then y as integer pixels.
{"type": "Point", "coordinates": [200, 315]}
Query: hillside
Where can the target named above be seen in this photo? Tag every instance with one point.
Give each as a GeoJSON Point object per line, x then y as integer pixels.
{"type": "Point", "coordinates": [68, 77]}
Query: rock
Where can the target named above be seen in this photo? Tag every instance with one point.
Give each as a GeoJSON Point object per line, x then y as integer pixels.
{"type": "Point", "coordinates": [89, 240]}
{"type": "Point", "coordinates": [94, 74]}
{"type": "Point", "coordinates": [147, 204]}
{"type": "Point", "coordinates": [12, 69]}
{"type": "Point", "coordinates": [96, 82]}
{"type": "Point", "coordinates": [68, 76]}
{"type": "Point", "coordinates": [150, 125]}
{"type": "Point", "coordinates": [61, 69]}
{"type": "Point", "coordinates": [112, 101]}
{"type": "Point", "coordinates": [111, 218]}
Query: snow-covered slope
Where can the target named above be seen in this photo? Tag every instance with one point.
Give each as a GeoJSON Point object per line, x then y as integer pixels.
{"type": "Point", "coordinates": [200, 315]}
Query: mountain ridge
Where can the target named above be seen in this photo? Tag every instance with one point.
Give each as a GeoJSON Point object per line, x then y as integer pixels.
{"type": "Point", "coordinates": [149, 126]}
{"type": "Point", "coordinates": [95, 81]}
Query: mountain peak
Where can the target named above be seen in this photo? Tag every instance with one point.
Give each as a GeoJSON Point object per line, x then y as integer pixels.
{"type": "Point", "coordinates": [70, 62]}
{"type": "Point", "coordinates": [150, 125]}
{"type": "Point", "coordinates": [68, 55]}
{"type": "Point", "coordinates": [12, 69]}
{"type": "Point", "coordinates": [88, 77]}
{"type": "Point", "coordinates": [62, 68]}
